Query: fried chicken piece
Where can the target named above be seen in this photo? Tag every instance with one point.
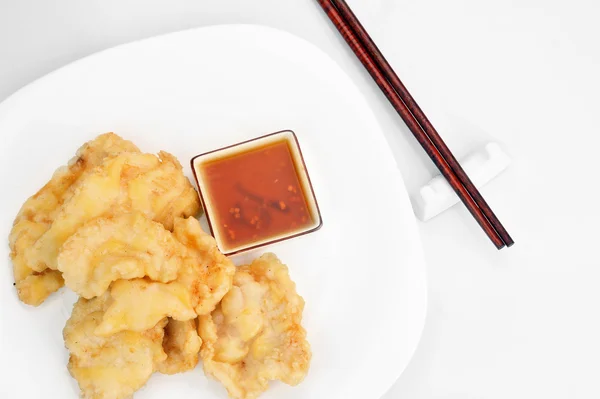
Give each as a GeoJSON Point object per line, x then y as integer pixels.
{"type": "Point", "coordinates": [255, 334]}
{"type": "Point", "coordinates": [164, 193]}
{"type": "Point", "coordinates": [38, 213]}
{"type": "Point", "coordinates": [204, 278]}
{"type": "Point", "coordinates": [110, 367]}
{"type": "Point", "coordinates": [182, 345]}
{"type": "Point", "coordinates": [154, 186]}
{"type": "Point", "coordinates": [137, 304]}
{"type": "Point", "coordinates": [179, 275]}
{"type": "Point", "coordinates": [127, 246]}
{"type": "Point", "coordinates": [209, 273]}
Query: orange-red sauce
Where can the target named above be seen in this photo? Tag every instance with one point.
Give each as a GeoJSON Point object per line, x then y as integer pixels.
{"type": "Point", "coordinates": [256, 195]}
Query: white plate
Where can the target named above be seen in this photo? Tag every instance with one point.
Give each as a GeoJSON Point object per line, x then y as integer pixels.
{"type": "Point", "coordinates": [362, 275]}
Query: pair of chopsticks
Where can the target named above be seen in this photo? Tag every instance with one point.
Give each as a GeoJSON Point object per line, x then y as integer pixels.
{"type": "Point", "coordinates": [380, 70]}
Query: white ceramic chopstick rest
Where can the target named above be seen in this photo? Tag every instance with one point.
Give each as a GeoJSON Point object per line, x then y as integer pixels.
{"type": "Point", "coordinates": [481, 166]}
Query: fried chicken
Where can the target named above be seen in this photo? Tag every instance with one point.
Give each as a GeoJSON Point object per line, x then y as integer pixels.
{"type": "Point", "coordinates": [110, 367]}
{"type": "Point", "coordinates": [158, 273]}
{"type": "Point", "coordinates": [117, 226]}
{"type": "Point", "coordinates": [182, 345]}
{"type": "Point", "coordinates": [137, 304]}
{"type": "Point", "coordinates": [209, 273]}
{"type": "Point", "coordinates": [154, 186]}
{"type": "Point", "coordinates": [255, 334]}
{"type": "Point", "coordinates": [123, 247]}
{"type": "Point", "coordinates": [38, 213]}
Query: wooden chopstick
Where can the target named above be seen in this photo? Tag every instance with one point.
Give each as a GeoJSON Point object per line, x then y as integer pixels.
{"type": "Point", "coordinates": [351, 19]}
{"type": "Point", "coordinates": [375, 64]}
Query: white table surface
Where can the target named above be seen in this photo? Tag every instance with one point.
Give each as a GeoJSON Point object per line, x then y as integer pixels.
{"type": "Point", "coordinates": [519, 323]}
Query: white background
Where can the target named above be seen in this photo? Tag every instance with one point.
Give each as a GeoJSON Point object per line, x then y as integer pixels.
{"type": "Point", "coordinates": [519, 323]}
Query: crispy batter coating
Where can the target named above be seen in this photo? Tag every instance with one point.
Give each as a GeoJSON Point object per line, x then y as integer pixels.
{"type": "Point", "coordinates": [38, 213]}
{"type": "Point", "coordinates": [137, 304]}
{"type": "Point", "coordinates": [158, 273]}
{"type": "Point", "coordinates": [108, 176]}
{"type": "Point", "coordinates": [182, 345]}
{"type": "Point", "coordinates": [209, 273]}
{"type": "Point", "coordinates": [110, 367]}
{"type": "Point", "coordinates": [255, 334]}
{"type": "Point", "coordinates": [127, 246]}
{"type": "Point", "coordinates": [154, 186]}
{"type": "Point", "coordinates": [164, 193]}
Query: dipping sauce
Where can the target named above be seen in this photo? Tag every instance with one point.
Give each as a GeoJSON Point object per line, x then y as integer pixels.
{"type": "Point", "coordinates": [257, 193]}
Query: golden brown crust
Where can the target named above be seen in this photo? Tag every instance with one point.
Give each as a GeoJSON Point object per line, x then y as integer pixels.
{"type": "Point", "coordinates": [209, 273]}
{"type": "Point", "coordinates": [152, 273]}
{"type": "Point", "coordinates": [109, 176]}
{"type": "Point", "coordinates": [125, 246]}
{"type": "Point", "coordinates": [38, 212]}
{"type": "Point", "coordinates": [255, 334]}
{"type": "Point", "coordinates": [128, 182]}
{"type": "Point", "coordinates": [182, 346]}
{"type": "Point", "coordinates": [110, 367]}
